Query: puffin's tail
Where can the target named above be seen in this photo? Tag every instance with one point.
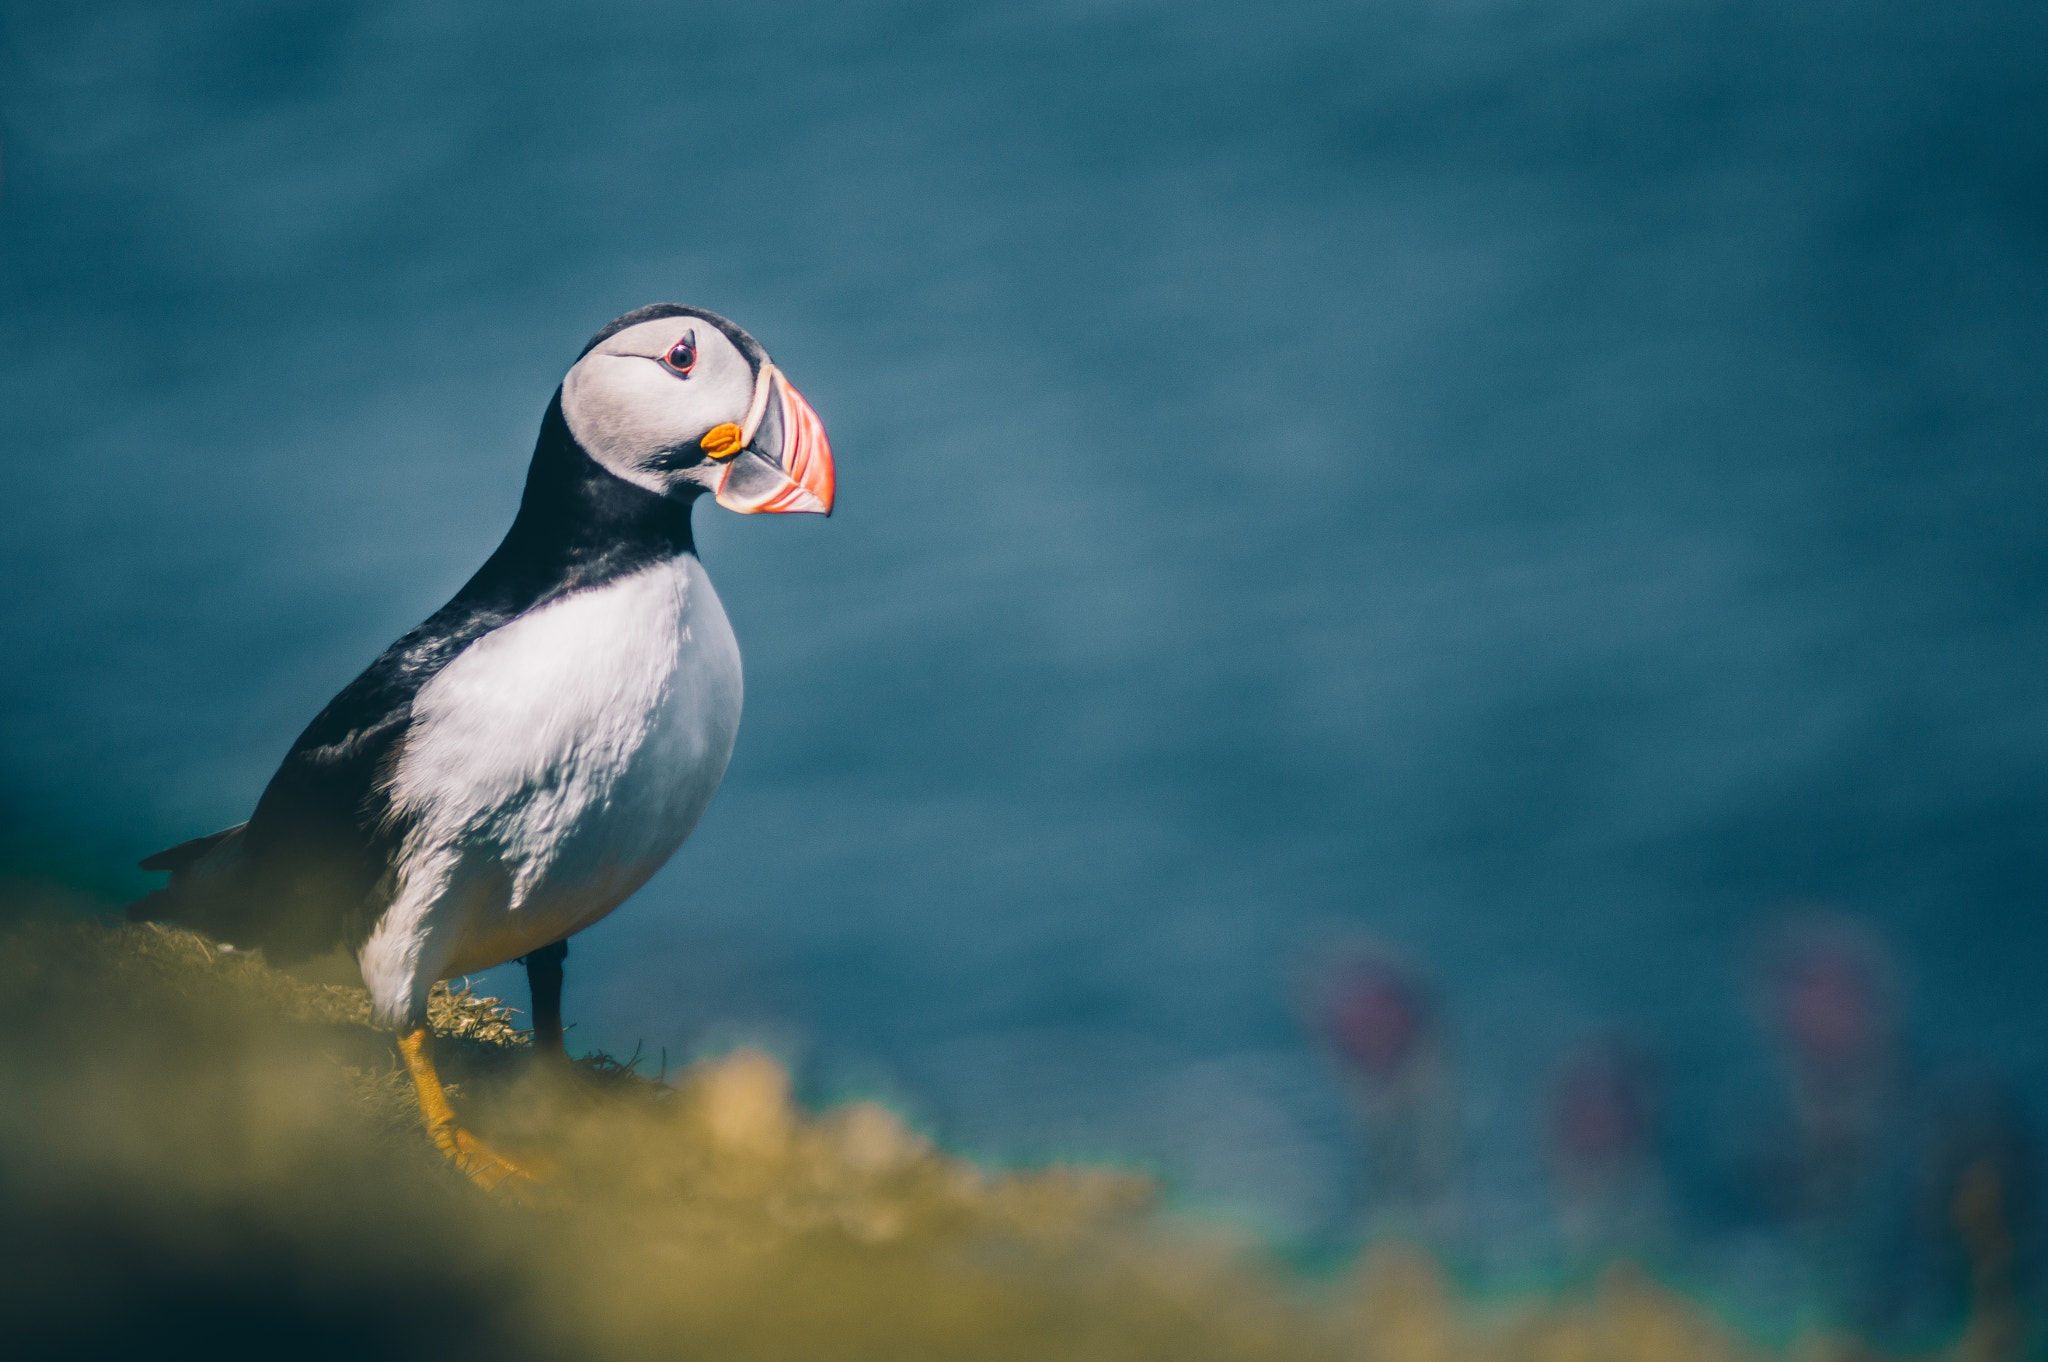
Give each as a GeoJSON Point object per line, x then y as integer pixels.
{"type": "Point", "coordinates": [195, 866]}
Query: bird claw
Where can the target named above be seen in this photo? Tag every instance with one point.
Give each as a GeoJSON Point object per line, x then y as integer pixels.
{"type": "Point", "coordinates": [492, 1171]}
{"type": "Point", "coordinates": [477, 1161]}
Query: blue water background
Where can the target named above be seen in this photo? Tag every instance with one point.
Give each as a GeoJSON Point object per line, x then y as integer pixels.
{"type": "Point", "coordinates": [1544, 484]}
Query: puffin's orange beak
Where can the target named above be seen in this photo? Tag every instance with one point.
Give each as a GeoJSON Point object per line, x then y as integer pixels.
{"type": "Point", "coordinates": [786, 462]}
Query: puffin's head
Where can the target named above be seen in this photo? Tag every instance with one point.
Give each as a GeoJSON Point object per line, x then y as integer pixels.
{"type": "Point", "coordinates": [680, 401]}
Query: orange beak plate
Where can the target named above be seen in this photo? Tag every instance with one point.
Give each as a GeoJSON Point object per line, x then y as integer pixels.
{"type": "Point", "coordinates": [797, 476]}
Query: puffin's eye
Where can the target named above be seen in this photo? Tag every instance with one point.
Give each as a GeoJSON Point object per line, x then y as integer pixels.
{"type": "Point", "coordinates": [682, 356]}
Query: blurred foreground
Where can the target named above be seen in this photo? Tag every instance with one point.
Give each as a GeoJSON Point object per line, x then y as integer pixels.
{"type": "Point", "coordinates": [197, 1151]}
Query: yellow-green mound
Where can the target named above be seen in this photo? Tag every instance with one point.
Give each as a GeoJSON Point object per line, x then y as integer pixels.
{"type": "Point", "coordinates": [199, 1155]}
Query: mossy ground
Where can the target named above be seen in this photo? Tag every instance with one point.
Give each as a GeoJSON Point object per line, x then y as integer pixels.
{"type": "Point", "coordinates": [199, 1154]}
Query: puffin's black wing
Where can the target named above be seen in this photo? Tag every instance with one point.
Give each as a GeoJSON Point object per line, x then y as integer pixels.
{"type": "Point", "coordinates": [185, 855]}
{"type": "Point", "coordinates": [309, 870]}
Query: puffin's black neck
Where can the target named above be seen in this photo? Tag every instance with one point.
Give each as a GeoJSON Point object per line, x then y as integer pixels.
{"type": "Point", "coordinates": [572, 498]}
{"type": "Point", "coordinates": [579, 524]}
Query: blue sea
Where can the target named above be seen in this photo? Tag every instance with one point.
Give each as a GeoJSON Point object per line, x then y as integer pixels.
{"type": "Point", "coordinates": [1549, 488]}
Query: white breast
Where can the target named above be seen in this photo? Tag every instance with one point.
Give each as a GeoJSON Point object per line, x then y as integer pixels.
{"type": "Point", "coordinates": [556, 763]}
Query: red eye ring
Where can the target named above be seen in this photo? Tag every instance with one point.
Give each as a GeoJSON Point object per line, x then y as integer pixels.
{"type": "Point", "coordinates": [682, 356]}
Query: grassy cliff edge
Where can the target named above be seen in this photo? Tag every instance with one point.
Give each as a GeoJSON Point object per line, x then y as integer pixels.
{"type": "Point", "coordinates": [197, 1151]}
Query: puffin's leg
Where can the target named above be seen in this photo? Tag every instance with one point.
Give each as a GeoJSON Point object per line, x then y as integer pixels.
{"type": "Point", "coordinates": [419, 930]}
{"type": "Point", "coordinates": [544, 978]}
{"type": "Point", "coordinates": [485, 1167]}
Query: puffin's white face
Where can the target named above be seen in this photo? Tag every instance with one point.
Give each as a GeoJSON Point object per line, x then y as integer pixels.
{"type": "Point", "coordinates": [674, 406]}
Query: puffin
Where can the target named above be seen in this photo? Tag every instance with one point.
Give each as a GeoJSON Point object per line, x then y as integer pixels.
{"type": "Point", "coordinates": [516, 766]}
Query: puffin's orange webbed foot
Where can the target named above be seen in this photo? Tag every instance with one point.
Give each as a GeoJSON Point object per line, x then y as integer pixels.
{"type": "Point", "coordinates": [492, 1171]}
{"type": "Point", "coordinates": [480, 1163]}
